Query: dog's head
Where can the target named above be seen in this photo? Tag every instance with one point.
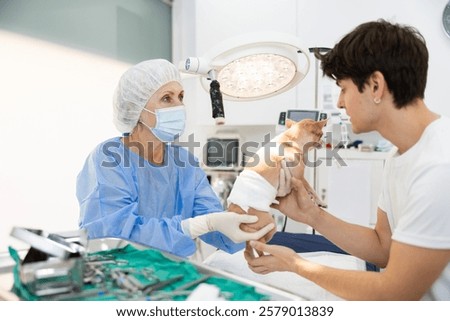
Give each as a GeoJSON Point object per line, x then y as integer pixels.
{"type": "Point", "coordinates": [305, 134]}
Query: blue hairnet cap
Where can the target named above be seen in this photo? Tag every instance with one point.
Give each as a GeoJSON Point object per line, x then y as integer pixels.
{"type": "Point", "coordinates": [135, 88]}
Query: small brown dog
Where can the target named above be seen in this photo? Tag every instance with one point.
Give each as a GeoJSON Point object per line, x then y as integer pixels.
{"type": "Point", "coordinates": [256, 188]}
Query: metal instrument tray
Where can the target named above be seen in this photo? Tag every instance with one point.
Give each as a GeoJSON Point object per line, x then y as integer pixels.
{"type": "Point", "coordinates": [52, 244]}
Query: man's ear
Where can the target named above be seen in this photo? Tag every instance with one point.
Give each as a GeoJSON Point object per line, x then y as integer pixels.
{"type": "Point", "coordinates": [289, 123]}
{"type": "Point", "coordinates": [377, 83]}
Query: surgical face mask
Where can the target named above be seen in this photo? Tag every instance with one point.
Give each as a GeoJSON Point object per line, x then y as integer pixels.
{"type": "Point", "coordinates": [170, 123]}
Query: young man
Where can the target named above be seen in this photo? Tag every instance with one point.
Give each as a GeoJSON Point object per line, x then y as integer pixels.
{"type": "Point", "coordinates": [381, 69]}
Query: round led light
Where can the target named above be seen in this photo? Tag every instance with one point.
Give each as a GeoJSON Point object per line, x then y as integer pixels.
{"type": "Point", "coordinates": [251, 66]}
{"type": "Point", "coordinates": [256, 75]}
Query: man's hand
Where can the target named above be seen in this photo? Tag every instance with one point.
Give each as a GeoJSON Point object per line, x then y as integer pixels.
{"type": "Point", "coordinates": [299, 205]}
{"type": "Point", "coordinates": [284, 185]}
{"type": "Point", "coordinates": [275, 258]}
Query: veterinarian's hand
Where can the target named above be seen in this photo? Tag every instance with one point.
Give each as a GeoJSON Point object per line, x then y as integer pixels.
{"type": "Point", "coordinates": [299, 204]}
{"type": "Point", "coordinates": [225, 222]}
{"type": "Point", "coordinates": [284, 186]}
{"type": "Point", "coordinates": [275, 258]}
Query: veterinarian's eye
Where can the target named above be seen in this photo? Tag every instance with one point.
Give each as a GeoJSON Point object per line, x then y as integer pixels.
{"type": "Point", "coordinates": [166, 99]}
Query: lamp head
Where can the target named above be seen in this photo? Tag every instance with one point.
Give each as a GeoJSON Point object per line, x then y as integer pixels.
{"type": "Point", "coordinates": [252, 66]}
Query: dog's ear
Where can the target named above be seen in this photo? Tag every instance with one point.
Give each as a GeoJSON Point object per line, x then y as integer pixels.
{"type": "Point", "coordinates": [289, 123]}
{"type": "Point", "coordinates": [323, 123]}
{"type": "Point", "coordinates": [276, 159]}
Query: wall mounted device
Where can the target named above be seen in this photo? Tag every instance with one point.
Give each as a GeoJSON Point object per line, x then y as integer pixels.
{"type": "Point", "coordinates": [223, 152]}
{"type": "Point", "coordinates": [282, 119]}
{"type": "Point", "coordinates": [446, 19]}
{"type": "Point", "coordinates": [300, 114]}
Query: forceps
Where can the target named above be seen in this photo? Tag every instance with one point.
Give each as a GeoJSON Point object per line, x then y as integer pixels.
{"type": "Point", "coordinates": [160, 284]}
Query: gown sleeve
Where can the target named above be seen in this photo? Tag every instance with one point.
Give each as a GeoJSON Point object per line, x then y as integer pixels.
{"type": "Point", "coordinates": [205, 202]}
{"type": "Point", "coordinates": [108, 199]}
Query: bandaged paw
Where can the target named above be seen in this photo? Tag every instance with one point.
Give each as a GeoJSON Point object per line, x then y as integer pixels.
{"type": "Point", "coordinates": [252, 190]}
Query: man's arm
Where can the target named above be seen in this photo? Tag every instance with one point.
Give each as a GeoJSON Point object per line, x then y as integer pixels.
{"type": "Point", "coordinates": [369, 244]}
{"type": "Point", "coordinates": [410, 273]}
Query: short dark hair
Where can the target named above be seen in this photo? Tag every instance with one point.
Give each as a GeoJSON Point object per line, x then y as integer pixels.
{"type": "Point", "coordinates": [399, 52]}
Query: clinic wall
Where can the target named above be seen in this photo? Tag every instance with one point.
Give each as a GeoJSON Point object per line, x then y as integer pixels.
{"type": "Point", "coordinates": [60, 61]}
{"type": "Point", "coordinates": [129, 31]}
{"type": "Point", "coordinates": [55, 107]}
{"type": "Point", "coordinates": [323, 22]}
{"type": "Point", "coordinates": [318, 23]}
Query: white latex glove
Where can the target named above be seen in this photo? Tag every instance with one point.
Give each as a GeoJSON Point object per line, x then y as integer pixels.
{"type": "Point", "coordinates": [284, 186]}
{"type": "Point", "coordinates": [225, 222]}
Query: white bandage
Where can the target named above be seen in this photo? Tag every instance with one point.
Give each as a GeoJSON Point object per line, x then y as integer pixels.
{"type": "Point", "coordinates": [252, 190]}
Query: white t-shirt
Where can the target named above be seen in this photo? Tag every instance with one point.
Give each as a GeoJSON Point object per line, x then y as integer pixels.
{"type": "Point", "coordinates": [416, 197]}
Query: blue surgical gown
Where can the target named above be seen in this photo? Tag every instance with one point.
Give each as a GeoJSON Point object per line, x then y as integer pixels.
{"type": "Point", "coordinates": [122, 195]}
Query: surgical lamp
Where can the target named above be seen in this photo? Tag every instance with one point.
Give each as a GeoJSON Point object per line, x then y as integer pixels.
{"type": "Point", "coordinates": [249, 67]}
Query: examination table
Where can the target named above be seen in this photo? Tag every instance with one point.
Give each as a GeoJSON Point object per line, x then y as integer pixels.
{"type": "Point", "coordinates": [312, 247]}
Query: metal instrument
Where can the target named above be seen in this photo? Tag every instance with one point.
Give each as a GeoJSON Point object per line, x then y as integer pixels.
{"type": "Point", "coordinates": [160, 284]}
{"type": "Point", "coordinates": [52, 244]}
{"type": "Point", "coordinates": [53, 265]}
